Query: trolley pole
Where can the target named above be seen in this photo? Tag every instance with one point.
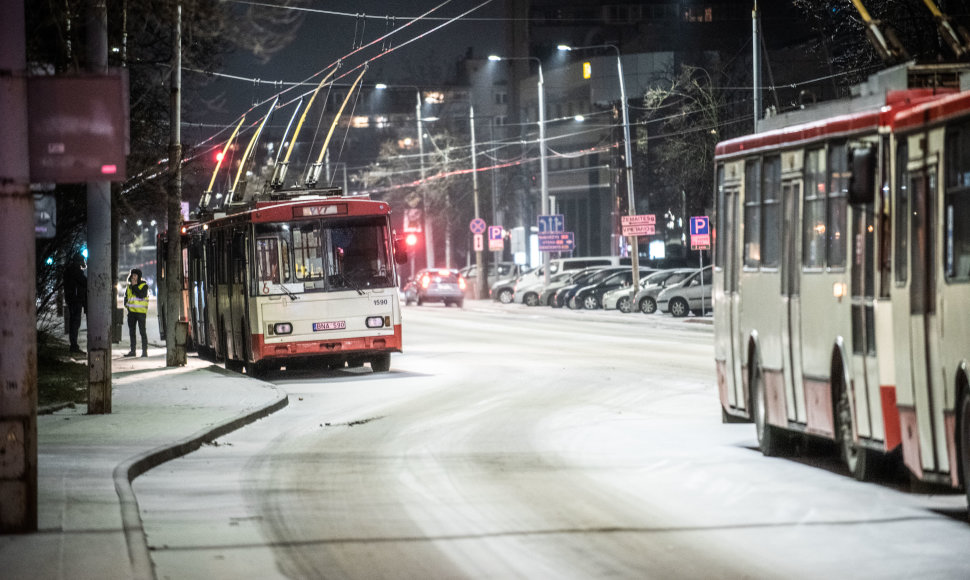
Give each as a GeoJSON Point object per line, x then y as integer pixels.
{"type": "Point", "coordinates": [101, 299]}
{"type": "Point", "coordinates": [175, 352]}
{"type": "Point", "coordinates": [18, 357]}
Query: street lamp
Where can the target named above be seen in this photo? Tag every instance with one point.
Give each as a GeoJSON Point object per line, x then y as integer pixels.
{"type": "Point", "coordinates": [543, 171]}
{"type": "Point", "coordinates": [425, 222]}
{"type": "Point", "coordinates": [631, 198]}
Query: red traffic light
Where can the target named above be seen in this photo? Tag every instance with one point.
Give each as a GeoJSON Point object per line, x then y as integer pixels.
{"type": "Point", "coordinates": [220, 155]}
{"type": "Point", "coordinates": [411, 239]}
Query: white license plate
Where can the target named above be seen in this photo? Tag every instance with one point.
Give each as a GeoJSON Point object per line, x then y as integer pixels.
{"type": "Point", "coordinates": [337, 325]}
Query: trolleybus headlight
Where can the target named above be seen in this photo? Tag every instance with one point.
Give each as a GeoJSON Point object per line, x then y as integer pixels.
{"type": "Point", "coordinates": [375, 321]}
{"type": "Point", "coordinates": [282, 328]}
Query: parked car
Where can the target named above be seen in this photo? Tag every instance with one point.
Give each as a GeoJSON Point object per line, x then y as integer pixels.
{"type": "Point", "coordinates": [565, 294]}
{"type": "Point", "coordinates": [622, 298]}
{"type": "Point", "coordinates": [528, 291]}
{"type": "Point", "coordinates": [496, 271]}
{"type": "Point", "coordinates": [436, 285]}
{"type": "Point", "coordinates": [504, 290]}
{"type": "Point", "coordinates": [590, 297]}
{"type": "Point", "coordinates": [692, 294]}
{"type": "Point", "coordinates": [646, 298]}
{"type": "Point", "coordinates": [548, 294]}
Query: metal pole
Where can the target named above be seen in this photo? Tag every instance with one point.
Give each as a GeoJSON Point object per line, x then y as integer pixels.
{"type": "Point", "coordinates": [18, 358]}
{"type": "Point", "coordinates": [174, 344]}
{"type": "Point", "coordinates": [756, 64]}
{"type": "Point", "coordinates": [543, 171]}
{"type": "Point", "coordinates": [101, 298]}
{"type": "Point", "coordinates": [631, 197]}
{"type": "Point", "coordinates": [425, 222]}
{"type": "Point", "coordinates": [482, 280]}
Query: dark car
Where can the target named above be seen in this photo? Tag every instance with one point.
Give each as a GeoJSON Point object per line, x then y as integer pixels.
{"type": "Point", "coordinates": [590, 296]}
{"type": "Point", "coordinates": [564, 294]}
{"type": "Point", "coordinates": [435, 285]}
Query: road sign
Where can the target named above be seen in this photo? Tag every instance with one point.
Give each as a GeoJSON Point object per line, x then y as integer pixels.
{"type": "Point", "coordinates": [700, 226]}
{"type": "Point", "coordinates": [477, 226]}
{"type": "Point", "coordinates": [479, 242]}
{"type": "Point", "coordinates": [496, 245]}
{"type": "Point", "coordinates": [556, 242]}
{"type": "Point", "coordinates": [551, 223]}
{"type": "Point", "coordinates": [495, 233]}
{"type": "Point", "coordinates": [638, 220]}
{"type": "Point", "coordinates": [639, 229]}
{"type": "Point", "coordinates": [700, 233]}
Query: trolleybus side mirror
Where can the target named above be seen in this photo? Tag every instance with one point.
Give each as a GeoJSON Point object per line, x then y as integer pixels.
{"type": "Point", "coordinates": [400, 251]}
{"type": "Point", "coordinates": [862, 181]}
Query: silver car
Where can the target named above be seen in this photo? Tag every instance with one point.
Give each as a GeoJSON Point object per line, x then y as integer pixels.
{"type": "Point", "coordinates": [692, 294]}
{"type": "Point", "coordinates": [646, 298]}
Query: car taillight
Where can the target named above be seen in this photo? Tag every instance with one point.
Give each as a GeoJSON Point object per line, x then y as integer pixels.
{"type": "Point", "coordinates": [461, 282]}
{"type": "Point", "coordinates": [425, 281]}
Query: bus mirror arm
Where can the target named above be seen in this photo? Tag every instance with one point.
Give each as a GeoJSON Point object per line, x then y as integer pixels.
{"type": "Point", "coordinates": [862, 181]}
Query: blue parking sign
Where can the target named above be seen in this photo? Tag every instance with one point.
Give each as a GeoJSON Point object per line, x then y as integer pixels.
{"type": "Point", "coordinates": [700, 226]}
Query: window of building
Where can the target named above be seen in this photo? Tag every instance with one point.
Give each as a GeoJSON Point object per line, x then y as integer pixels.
{"type": "Point", "coordinates": [501, 97]}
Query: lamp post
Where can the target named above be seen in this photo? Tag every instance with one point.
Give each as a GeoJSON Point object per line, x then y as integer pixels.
{"type": "Point", "coordinates": [425, 222]}
{"type": "Point", "coordinates": [543, 170]}
{"type": "Point", "coordinates": [631, 198]}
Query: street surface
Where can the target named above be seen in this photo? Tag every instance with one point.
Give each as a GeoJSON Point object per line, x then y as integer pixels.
{"type": "Point", "coordinates": [510, 441]}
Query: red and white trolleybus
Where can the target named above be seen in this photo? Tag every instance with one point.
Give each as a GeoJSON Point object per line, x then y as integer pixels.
{"type": "Point", "coordinates": [306, 275]}
{"type": "Point", "coordinates": [842, 276]}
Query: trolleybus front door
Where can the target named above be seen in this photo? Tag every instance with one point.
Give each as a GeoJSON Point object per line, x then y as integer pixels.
{"type": "Point", "coordinates": [791, 192]}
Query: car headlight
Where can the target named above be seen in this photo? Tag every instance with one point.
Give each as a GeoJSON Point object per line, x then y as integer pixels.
{"type": "Point", "coordinates": [282, 328]}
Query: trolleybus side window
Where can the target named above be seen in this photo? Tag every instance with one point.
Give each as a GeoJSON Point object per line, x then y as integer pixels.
{"type": "Point", "coordinates": [838, 192]}
{"type": "Point", "coordinates": [719, 225]}
{"type": "Point", "coordinates": [956, 204]}
{"type": "Point", "coordinates": [901, 211]}
{"type": "Point", "coordinates": [752, 213]}
{"type": "Point", "coordinates": [771, 214]}
{"type": "Point", "coordinates": [813, 224]}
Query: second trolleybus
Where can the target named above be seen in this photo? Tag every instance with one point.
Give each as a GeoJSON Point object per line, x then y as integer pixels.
{"type": "Point", "coordinates": [842, 278]}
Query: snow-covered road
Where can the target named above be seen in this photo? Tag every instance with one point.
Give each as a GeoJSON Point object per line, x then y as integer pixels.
{"type": "Point", "coordinates": [516, 442]}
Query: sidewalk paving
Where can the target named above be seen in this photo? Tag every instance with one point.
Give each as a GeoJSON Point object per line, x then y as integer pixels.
{"type": "Point", "coordinates": [89, 525]}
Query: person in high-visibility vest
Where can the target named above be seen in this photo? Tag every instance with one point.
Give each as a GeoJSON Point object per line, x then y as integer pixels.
{"type": "Point", "coordinates": [136, 301]}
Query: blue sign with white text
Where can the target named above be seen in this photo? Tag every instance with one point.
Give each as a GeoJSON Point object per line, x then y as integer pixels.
{"type": "Point", "coordinates": [552, 223]}
{"type": "Point", "coordinates": [700, 226]}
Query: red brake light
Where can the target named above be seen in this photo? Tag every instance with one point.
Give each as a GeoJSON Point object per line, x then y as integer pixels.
{"type": "Point", "coordinates": [461, 282]}
{"type": "Point", "coordinates": [443, 272]}
{"type": "Point", "coordinates": [425, 281]}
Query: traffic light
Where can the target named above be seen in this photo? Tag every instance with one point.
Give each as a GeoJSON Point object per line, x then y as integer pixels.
{"type": "Point", "coordinates": [413, 240]}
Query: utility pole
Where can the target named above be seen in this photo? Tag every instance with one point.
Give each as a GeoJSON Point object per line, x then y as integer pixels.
{"type": "Point", "coordinates": [18, 358]}
{"type": "Point", "coordinates": [174, 351]}
{"type": "Point", "coordinates": [756, 65]}
{"type": "Point", "coordinates": [482, 279]}
{"type": "Point", "coordinates": [425, 220]}
{"type": "Point", "coordinates": [101, 298]}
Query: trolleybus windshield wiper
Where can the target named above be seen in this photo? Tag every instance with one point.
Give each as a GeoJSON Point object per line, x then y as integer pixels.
{"type": "Point", "coordinates": [348, 281]}
{"type": "Point", "coordinates": [288, 293]}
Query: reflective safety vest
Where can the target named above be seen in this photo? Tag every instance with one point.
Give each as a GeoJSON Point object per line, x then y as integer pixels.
{"type": "Point", "coordinates": [134, 303]}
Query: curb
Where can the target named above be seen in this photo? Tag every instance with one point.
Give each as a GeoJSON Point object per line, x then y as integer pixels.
{"type": "Point", "coordinates": [126, 472]}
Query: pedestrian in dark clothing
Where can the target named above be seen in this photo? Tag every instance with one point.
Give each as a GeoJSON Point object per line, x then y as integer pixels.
{"type": "Point", "coordinates": [136, 301]}
{"type": "Point", "coordinates": [76, 297]}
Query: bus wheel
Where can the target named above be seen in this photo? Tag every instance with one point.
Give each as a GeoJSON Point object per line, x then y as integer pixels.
{"type": "Point", "coordinates": [964, 442]}
{"type": "Point", "coordinates": [771, 440]}
{"type": "Point", "coordinates": [862, 462]}
{"type": "Point", "coordinates": [381, 363]}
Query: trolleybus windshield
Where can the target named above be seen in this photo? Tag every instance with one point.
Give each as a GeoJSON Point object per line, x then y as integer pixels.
{"type": "Point", "coordinates": [323, 255]}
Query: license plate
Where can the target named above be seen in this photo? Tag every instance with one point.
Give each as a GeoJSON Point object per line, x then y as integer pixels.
{"type": "Point", "coordinates": [338, 325]}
